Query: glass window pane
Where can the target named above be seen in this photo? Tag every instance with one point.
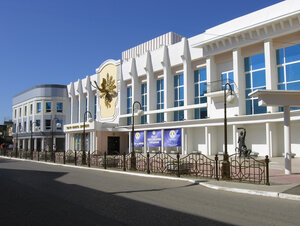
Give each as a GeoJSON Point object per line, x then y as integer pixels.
{"type": "Point", "coordinates": [281, 87]}
{"type": "Point", "coordinates": [181, 93]}
{"type": "Point", "coordinates": [175, 115]}
{"type": "Point", "coordinates": [258, 61]}
{"type": "Point", "coordinates": [293, 86]}
{"type": "Point", "coordinates": [181, 79]}
{"type": "Point", "coordinates": [279, 56]}
{"type": "Point", "coordinates": [157, 85]}
{"type": "Point", "coordinates": [203, 74]}
{"type": "Point", "coordinates": [203, 88]}
{"type": "Point", "coordinates": [280, 71]}
{"type": "Point", "coordinates": [203, 113]}
{"type": "Point", "coordinates": [176, 94]}
{"type": "Point", "coordinates": [158, 98]}
{"type": "Point", "coordinates": [230, 76]}
{"type": "Point", "coordinates": [181, 115]}
{"type": "Point", "coordinates": [247, 64]}
{"type": "Point", "coordinates": [162, 97]}
{"type": "Point", "coordinates": [292, 53]}
{"type": "Point", "coordinates": [203, 100]}
{"type": "Point", "coordinates": [247, 92]}
{"type": "Point", "coordinates": [162, 84]}
{"type": "Point", "coordinates": [248, 107]}
{"type": "Point", "coordinates": [196, 74]}
{"type": "Point", "coordinates": [196, 90]}
{"type": "Point", "coordinates": [197, 113]}
{"type": "Point", "coordinates": [292, 72]}
{"type": "Point", "coordinates": [175, 80]}
{"type": "Point", "coordinates": [248, 80]}
{"type": "Point", "coordinates": [197, 100]}
{"type": "Point", "coordinates": [259, 109]}
{"type": "Point", "coordinates": [259, 78]}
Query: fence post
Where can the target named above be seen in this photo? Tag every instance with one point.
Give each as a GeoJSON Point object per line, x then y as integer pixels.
{"type": "Point", "coordinates": [38, 153]}
{"type": "Point", "coordinates": [217, 168]}
{"type": "Point", "coordinates": [75, 162]}
{"type": "Point", "coordinates": [45, 155]}
{"type": "Point", "coordinates": [267, 160]}
{"type": "Point", "coordinates": [104, 160]}
{"type": "Point", "coordinates": [64, 156]}
{"type": "Point", "coordinates": [148, 162]}
{"type": "Point", "coordinates": [124, 163]}
{"type": "Point", "coordinates": [178, 164]}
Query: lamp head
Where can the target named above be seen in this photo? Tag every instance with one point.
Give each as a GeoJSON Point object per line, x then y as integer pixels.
{"type": "Point", "coordinates": [231, 98]}
{"type": "Point", "coordinates": [58, 125]}
{"type": "Point", "coordinates": [140, 112]}
{"type": "Point", "coordinates": [90, 120]}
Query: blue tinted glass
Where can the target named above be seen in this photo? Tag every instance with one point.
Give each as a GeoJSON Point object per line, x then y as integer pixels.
{"type": "Point", "coordinates": [129, 121]}
{"type": "Point", "coordinates": [248, 80]}
{"type": "Point", "coordinates": [197, 100]}
{"type": "Point", "coordinates": [203, 112]}
{"type": "Point", "coordinates": [279, 56]}
{"type": "Point", "coordinates": [259, 78]}
{"type": "Point", "coordinates": [294, 108]}
{"type": "Point", "coordinates": [280, 71]}
{"type": "Point", "coordinates": [162, 117]}
{"type": "Point", "coordinates": [181, 115]}
{"type": "Point", "coordinates": [181, 79]}
{"type": "Point", "coordinates": [247, 92]}
{"type": "Point", "coordinates": [128, 91]}
{"type": "Point", "coordinates": [292, 53]}
{"type": "Point", "coordinates": [175, 115]}
{"type": "Point", "coordinates": [181, 103]}
{"type": "Point", "coordinates": [176, 104]}
{"type": "Point", "coordinates": [157, 85]}
{"type": "Point", "coordinates": [181, 93]}
{"type": "Point", "coordinates": [162, 97]}
{"type": "Point", "coordinates": [203, 74]}
{"type": "Point", "coordinates": [259, 109]}
{"type": "Point", "coordinates": [230, 76]}
{"type": "Point", "coordinates": [203, 100]}
{"type": "Point", "coordinates": [175, 80]}
{"type": "Point", "coordinates": [196, 75]}
{"type": "Point", "coordinates": [293, 86]}
{"type": "Point", "coordinates": [197, 113]}
{"type": "Point", "coordinates": [158, 118]}
{"type": "Point", "coordinates": [281, 87]}
{"type": "Point", "coordinates": [158, 98]}
{"type": "Point", "coordinates": [176, 94]}
{"type": "Point", "coordinates": [292, 72]}
{"type": "Point", "coordinates": [258, 61]}
{"type": "Point", "coordinates": [203, 88]}
{"type": "Point", "coordinates": [248, 107]}
{"type": "Point", "coordinates": [247, 64]}
{"type": "Point", "coordinates": [224, 78]}
{"type": "Point", "coordinates": [196, 90]}
{"type": "Point", "coordinates": [162, 84]}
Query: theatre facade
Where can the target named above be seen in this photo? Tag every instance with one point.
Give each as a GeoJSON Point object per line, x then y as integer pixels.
{"type": "Point", "coordinates": [179, 83]}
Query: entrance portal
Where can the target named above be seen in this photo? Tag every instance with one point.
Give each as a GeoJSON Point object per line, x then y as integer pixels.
{"type": "Point", "coordinates": [113, 145]}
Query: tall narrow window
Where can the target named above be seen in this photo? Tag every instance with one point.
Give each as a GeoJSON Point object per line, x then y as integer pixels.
{"type": "Point", "coordinates": [160, 99]}
{"type": "Point", "coordinates": [48, 107]}
{"type": "Point", "coordinates": [144, 102]}
{"type": "Point", "coordinates": [255, 79]}
{"type": "Point", "coordinates": [59, 107]}
{"type": "Point", "coordinates": [178, 97]}
{"type": "Point", "coordinates": [31, 109]}
{"type": "Point", "coordinates": [37, 123]}
{"type": "Point", "coordinates": [200, 82]}
{"type": "Point", "coordinates": [288, 67]}
{"type": "Point", "coordinates": [20, 112]}
{"type": "Point", "coordinates": [48, 124]}
{"type": "Point", "coordinates": [129, 104]}
{"type": "Point", "coordinates": [25, 111]}
{"type": "Point", "coordinates": [38, 107]}
{"type": "Point", "coordinates": [227, 77]}
{"type": "Point", "coordinates": [24, 126]}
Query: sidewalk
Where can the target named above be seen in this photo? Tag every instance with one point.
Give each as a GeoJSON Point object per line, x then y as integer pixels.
{"type": "Point", "coordinates": [281, 185]}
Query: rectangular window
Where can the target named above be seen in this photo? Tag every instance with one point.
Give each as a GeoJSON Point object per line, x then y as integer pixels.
{"type": "Point", "coordinates": [30, 125]}
{"type": "Point", "coordinates": [288, 67]}
{"type": "Point", "coordinates": [31, 109]}
{"type": "Point", "coordinates": [255, 79]}
{"type": "Point", "coordinates": [15, 113]}
{"type": "Point", "coordinates": [20, 112]}
{"type": "Point", "coordinates": [227, 77]}
{"type": "Point", "coordinates": [129, 104]}
{"type": "Point", "coordinates": [200, 82]}
{"type": "Point", "coordinates": [178, 97]}
{"type": "Point", "coordinates": [20, 127]}
{"type": "Point", "coordinates": [48, 124]}
{"type": "Point", "coordinates": [25, 111]}
{"type": "Point", "coordinates": [25, 126]}
{"type": "Point", "coordinates": [38, 123]}
{"type": "Point", "coordinates": [95, 110]}
{"type": "Point", "coordinates": [48, 107]}
{"type": "Point", "coordinates": [59, 107]}
{"type": "Point", "coordinates": [160, 99]}
{"type": "Point", "coordinates": [38, 107]}
{"type": "Point", "coordinates": [144, 102]}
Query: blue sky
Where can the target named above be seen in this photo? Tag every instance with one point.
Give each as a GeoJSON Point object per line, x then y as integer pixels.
{"type": "Point", "coordinates": [59, 41]}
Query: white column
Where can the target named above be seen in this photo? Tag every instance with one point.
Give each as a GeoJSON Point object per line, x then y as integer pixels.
{"type": "Point", "coordinates": [271, 73]}
{"type": "Point", "coordinates": [239, 80]}
{"type": "Point", "coordinates": [287, 141]}
{"type": "Point", "coordinates": [43, 144]}
{"type": "Point", "coordinates": [211, 77]}
{"type": "Point", "coordinates": [151, 89]}
{"type": "Point", "coordinates": [35, 144]}
{"type": "Point", "coordinates": [23, 144]}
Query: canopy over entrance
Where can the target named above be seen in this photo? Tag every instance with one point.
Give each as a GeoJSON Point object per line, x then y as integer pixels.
{"type": "Point", "coordinates": [285, 99]}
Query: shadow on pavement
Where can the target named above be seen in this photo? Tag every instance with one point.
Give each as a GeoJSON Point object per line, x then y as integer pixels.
{"type": "Point", "coordinates": [37, 198]}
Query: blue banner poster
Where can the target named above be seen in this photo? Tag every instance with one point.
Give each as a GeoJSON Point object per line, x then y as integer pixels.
{"type": "Point", "coordinates": [154, 138]}
{"type": "Point", "coordinates": [172, 138]}
{"type": "Point", "coordinates": [139, 139]}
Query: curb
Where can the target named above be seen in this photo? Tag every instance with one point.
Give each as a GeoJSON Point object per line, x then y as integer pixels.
{"type": "Point", "coordinates": [204, 184]}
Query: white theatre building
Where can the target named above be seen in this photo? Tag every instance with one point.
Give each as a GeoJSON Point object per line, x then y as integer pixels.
{"type": "Point", "coordinates": [179, 82]}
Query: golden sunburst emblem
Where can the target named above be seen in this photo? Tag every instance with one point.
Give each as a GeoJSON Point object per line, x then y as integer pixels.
{"type": "Point", "coordinates": [107, 89]}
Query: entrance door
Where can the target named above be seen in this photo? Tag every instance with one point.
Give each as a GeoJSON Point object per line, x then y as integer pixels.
{"type": "Point", "coordinates": [113, 145]}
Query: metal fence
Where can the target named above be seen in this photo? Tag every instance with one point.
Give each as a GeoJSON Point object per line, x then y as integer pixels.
{"type": "Point", "coordinates": [242, 169]}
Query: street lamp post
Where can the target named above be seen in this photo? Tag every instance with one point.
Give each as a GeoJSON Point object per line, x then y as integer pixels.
{"type": "Point", "coordinates": [133, 159]}
{"type": "Point", "coordinates": [230, 99]}
{"type": "Point", "coordinates": [83, 145]}
{"type": "Point", "coordinates": [52, 137]}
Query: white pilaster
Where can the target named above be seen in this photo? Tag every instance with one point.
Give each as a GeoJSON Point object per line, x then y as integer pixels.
{"type": "Point", "coordinates": [239, 80]}
{"type": "Point", "coordinates": [287, 141]}
{"type": "Point", "coordinates": [151, 89]}
{"type": "Point", "coordinates": [82, 101]}
{"type": "Point", "coordinates": [136, 87]}
{"type": "Point", "coordinates": [271, 73]}
{"type": "Point", "coordinates": [211, 77]}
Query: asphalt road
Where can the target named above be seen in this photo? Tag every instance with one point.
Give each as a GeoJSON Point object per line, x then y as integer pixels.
{"type": "Point", "coordinates": [38, 194]}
